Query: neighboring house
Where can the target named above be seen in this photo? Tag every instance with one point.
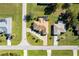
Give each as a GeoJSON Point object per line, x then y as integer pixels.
{"type": "Point", "coordinates": [41, 25]}
{"type": "Point", "coordinates": [6, 26]}
{"type": "Point", "coordinates": [57, 29]}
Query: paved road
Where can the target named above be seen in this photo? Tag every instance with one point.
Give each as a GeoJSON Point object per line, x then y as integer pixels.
{"type": "Point", "coordinates": [24, 41]}
{"type": "Point", "coordinates": [52, 47]}
{"type": "Point", "coordinates": [39, 47]}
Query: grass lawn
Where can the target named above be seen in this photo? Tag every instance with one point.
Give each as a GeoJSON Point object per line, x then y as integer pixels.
{"type": "Point", "coordinates": [14, 11]}
{"type": "Point", "coordinates": [37, 53]}
{"type": "Point", "coordinates": [32, 39]}
{"type": "Point", "coordinates": [69, 39]}
{"type": "Point", "coordinates": [62, 53]}
{"type": "Point", "coordinates": [50, 40]}
{"type": "Point", "coordinates": [11, 53]}
{"type": "Point", "coordinates": [78, 52]}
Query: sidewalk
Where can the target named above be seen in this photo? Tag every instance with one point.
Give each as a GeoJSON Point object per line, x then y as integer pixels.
{"type": "Point", "coordinates": [48, 52]}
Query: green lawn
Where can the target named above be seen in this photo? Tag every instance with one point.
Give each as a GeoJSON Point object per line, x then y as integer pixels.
{"type": "Point", "coordinates": [11, 53]}
{"type": "Point", "coordinates": [78, 52]}
{"type": "Point", "coordinates": [62, 53]}
{"type": "Point", "coordinates": [68, 39]}
{"type": "Point", "coordinates": [32, 39]}
{"type": "Point", "coordinates": [50, 40]}
{"type": "Point", "coordinates": [14, 11]}
{"type": "Point", "coordinates": [37, 53]}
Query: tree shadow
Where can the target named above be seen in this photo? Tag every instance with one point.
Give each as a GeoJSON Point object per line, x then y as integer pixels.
{"type": "Point", "coordinates": [65, 5]}
{"type": "Point", "coordinates": [49, 9]}
{"type": "Point", "coordinates": [28, 18]}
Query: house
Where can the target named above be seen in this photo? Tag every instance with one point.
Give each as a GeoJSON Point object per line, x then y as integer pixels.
{"type": "Point", "coordinates": [40, 26]}
{"type": "Point", "coordinates": [6, 26]}
{"type": "Point", "coordinates": [58, 28]}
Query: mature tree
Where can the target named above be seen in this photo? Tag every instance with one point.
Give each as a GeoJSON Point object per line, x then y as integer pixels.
{"type": "Point", "coordinates": [67, 16]}
{"type": "Point", "coordinates": [50, 8]}
{"type": "Point", "coordinates": [29, 16]}
{"type": "Point", "coordinates": [65, 5]}
{"type": "Point", "coordinates": [78, 16]}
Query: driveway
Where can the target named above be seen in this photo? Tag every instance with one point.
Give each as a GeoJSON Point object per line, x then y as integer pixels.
{"type": "Point", "coordinates": [55, 40]}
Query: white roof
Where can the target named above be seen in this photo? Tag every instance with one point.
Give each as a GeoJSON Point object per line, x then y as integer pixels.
{"type": "Point", "coordinates": [6, 25]}
{"type": "Point", "coordinates": [58, 28]}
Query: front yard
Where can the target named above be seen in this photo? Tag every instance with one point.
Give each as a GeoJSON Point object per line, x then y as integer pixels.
{"type": "Point", "coordinates": [33, 40]}
{"type": "Point", "coordinates": [68, 38]}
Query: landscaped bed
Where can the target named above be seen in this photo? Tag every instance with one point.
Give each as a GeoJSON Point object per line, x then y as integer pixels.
{"type": "Point", "coordinates": [2, 39]}
{"type": "Point", "coordinates": [62, 53]}
{"type": "Point", "coordinates": [33, 40]}
{"type": "Point", "coordinates": [37, 53]}
{"type": "Point", "coordinates": [14, 11]}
